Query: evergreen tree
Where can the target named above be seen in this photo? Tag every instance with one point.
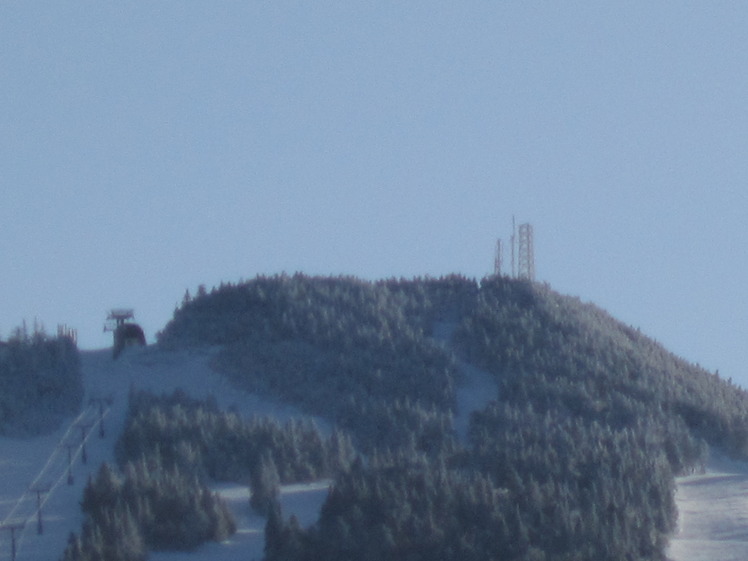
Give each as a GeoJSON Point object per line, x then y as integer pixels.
{"type": "Point", "coordinates": [264, 485]}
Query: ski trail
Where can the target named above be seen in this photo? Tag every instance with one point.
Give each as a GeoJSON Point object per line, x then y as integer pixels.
{"type": "Point", "coordinates": [303, 500]}
{"type": "Point", "coordinates": [43, 460]}
{"type": "Point", "coordinates": [713, 514]}
{"type": "Point", "coordinates": [62, 466]}
{"type": "Point", "coordinates": [30, 506]}
{"type": "Point", "coordinates": [11, 517]}
{"type": "Point", "coordinates": [476, 388]}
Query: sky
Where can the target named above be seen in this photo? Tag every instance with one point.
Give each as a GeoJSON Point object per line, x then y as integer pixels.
{"type": "Point", "coordinates": [147, 148]}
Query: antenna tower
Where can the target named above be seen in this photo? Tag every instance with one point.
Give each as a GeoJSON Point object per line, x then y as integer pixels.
{"type": "Point", "coordinates": [512, 241]}
{"type": "Point", "coordinates": [526, 257]}
{"type": "Point", "coordinates": [522, 253]}
{"type": "Point", "coordinates": [498, 260]}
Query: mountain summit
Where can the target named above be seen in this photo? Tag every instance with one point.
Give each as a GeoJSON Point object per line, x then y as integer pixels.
{"type": "Point", "coordinates": [572, 457]}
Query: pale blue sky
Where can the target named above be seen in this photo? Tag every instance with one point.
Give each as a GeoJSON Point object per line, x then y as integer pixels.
{"type": "Point", "coordinates": [146, 148]}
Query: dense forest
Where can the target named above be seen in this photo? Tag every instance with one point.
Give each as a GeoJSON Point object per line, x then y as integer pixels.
{"type": "Point", "coordinates": [172, 446]}
{"type": "Point", "coordinates": [573, 460]}
{"type": "Point", "coordinates": [41, 381]}
{"type": "Point", "coordinates": [196, 436]}
{"type": "Point", "coordinates": [147, 506]}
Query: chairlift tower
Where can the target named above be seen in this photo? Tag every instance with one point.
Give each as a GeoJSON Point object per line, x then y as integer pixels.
{"type": "Point", "coordinates": [124, 331]}
{"type": "Point", "coordinates": [13, 527]}
{"type": "Point", "coordinates": [117, 318]}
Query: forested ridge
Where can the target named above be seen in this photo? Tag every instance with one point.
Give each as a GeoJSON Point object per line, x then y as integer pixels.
{"type": "Point", "coordinates": [157, 498]}
{"type": "Point", "coordinates": [41, 382]}
{"type": "Point", "coordinates": [574, 459]}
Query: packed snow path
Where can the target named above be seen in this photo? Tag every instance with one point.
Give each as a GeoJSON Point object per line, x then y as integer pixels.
{"type": "Point", "coordinates": [476, 388]}
{"type": "Point", "coordinates": [712, 514]}
{"type": "Point", "coordinates": [26, 514]}
{"type": "Point", "coordinates": [47, 461]}
{"type": "Point", "coordinates": [713, 507]}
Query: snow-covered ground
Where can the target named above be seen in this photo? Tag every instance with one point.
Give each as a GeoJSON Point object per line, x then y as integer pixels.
{"type": "Point", "coordinates": [303, 500]}
{"type": "Point", "coordinates": [44, 463]}
{"type": "Point", "coordinates": [712, 514]}
{"type": "Point", "coordinates": [713, 507]}
{"type": "Point", "coordinates": [476, 388]}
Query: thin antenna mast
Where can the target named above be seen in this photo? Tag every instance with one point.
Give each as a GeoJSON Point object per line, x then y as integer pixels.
{"type": "Point", "coordinates": [522, 253]}
{"type": "Point", "coordinates": [498, 260]}
{"type": "Point", "coordinates": [514, 229]}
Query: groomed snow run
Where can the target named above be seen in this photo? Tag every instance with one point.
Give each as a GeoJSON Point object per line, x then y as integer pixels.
{"type": "Point", "coordinates": [712, 514]}
{"type": "Point", "coordinates": [713, 506]}
{"type": "Point", "coordinates": [47, 461]}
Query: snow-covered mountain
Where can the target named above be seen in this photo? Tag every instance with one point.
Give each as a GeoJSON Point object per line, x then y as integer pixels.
{"type": "Point", "coordinates": [549, 376]}
{"type": "Point", "coordinates": [42, 463]}
{"type": "Point", "coordinates": [713, 507]}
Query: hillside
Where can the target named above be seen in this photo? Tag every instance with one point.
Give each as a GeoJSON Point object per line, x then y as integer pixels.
{"type": "Point", "coordinates": [573, 457]}
{"type": "Point", "coordinates": [713, 513]}
{"type": "Point", "coordinates": [450, 419]}
{"type": "Point", "coordinates": [42, 462]}
{"type": "Point", "coordinates": [41, 381]}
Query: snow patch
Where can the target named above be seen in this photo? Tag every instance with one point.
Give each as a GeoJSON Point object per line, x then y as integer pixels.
{"type": "Point", "coordinates": [43, 461]}
{"type": "Point", "coordinates": [476, 390]}
{"type": "Point", "coordinates": [302, 500]}
{"type": "Point", "coordinates": [713, 514]}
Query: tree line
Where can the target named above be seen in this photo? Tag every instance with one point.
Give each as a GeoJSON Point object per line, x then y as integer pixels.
{"type": "Point", "coordinates": [41, 380]}
{"type": "Point", "coordinates": [172, 447]}
{"type": "Point", "coordinates": [196, 435]}
{"type": "Point", "coordinates": [331, 346]}
{"type": "Point", "coordinates": [575, 460]}
{"type": "Point", "coordinates": [146, 507]}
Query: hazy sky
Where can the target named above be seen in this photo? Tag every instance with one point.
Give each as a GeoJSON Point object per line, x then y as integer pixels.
{"type": "Point", "coordinates": [147, 148]}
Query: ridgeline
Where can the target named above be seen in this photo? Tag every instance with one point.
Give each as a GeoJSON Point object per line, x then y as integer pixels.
{"type": "Point", "coordinates": [574, 459]}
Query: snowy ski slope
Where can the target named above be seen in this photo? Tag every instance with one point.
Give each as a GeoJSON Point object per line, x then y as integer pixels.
{"type": "Point", "coordinates": [43, 463]}
{"type": "Point", "coordinates": [713, 507]}
{"type": "Point", "coordinates": [713, 514]}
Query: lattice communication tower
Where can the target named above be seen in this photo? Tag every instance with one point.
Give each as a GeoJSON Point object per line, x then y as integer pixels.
{"type": "Point", "coordinates": [526, 253]}
{"type": "Point", "coordinates": [522, 253]}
